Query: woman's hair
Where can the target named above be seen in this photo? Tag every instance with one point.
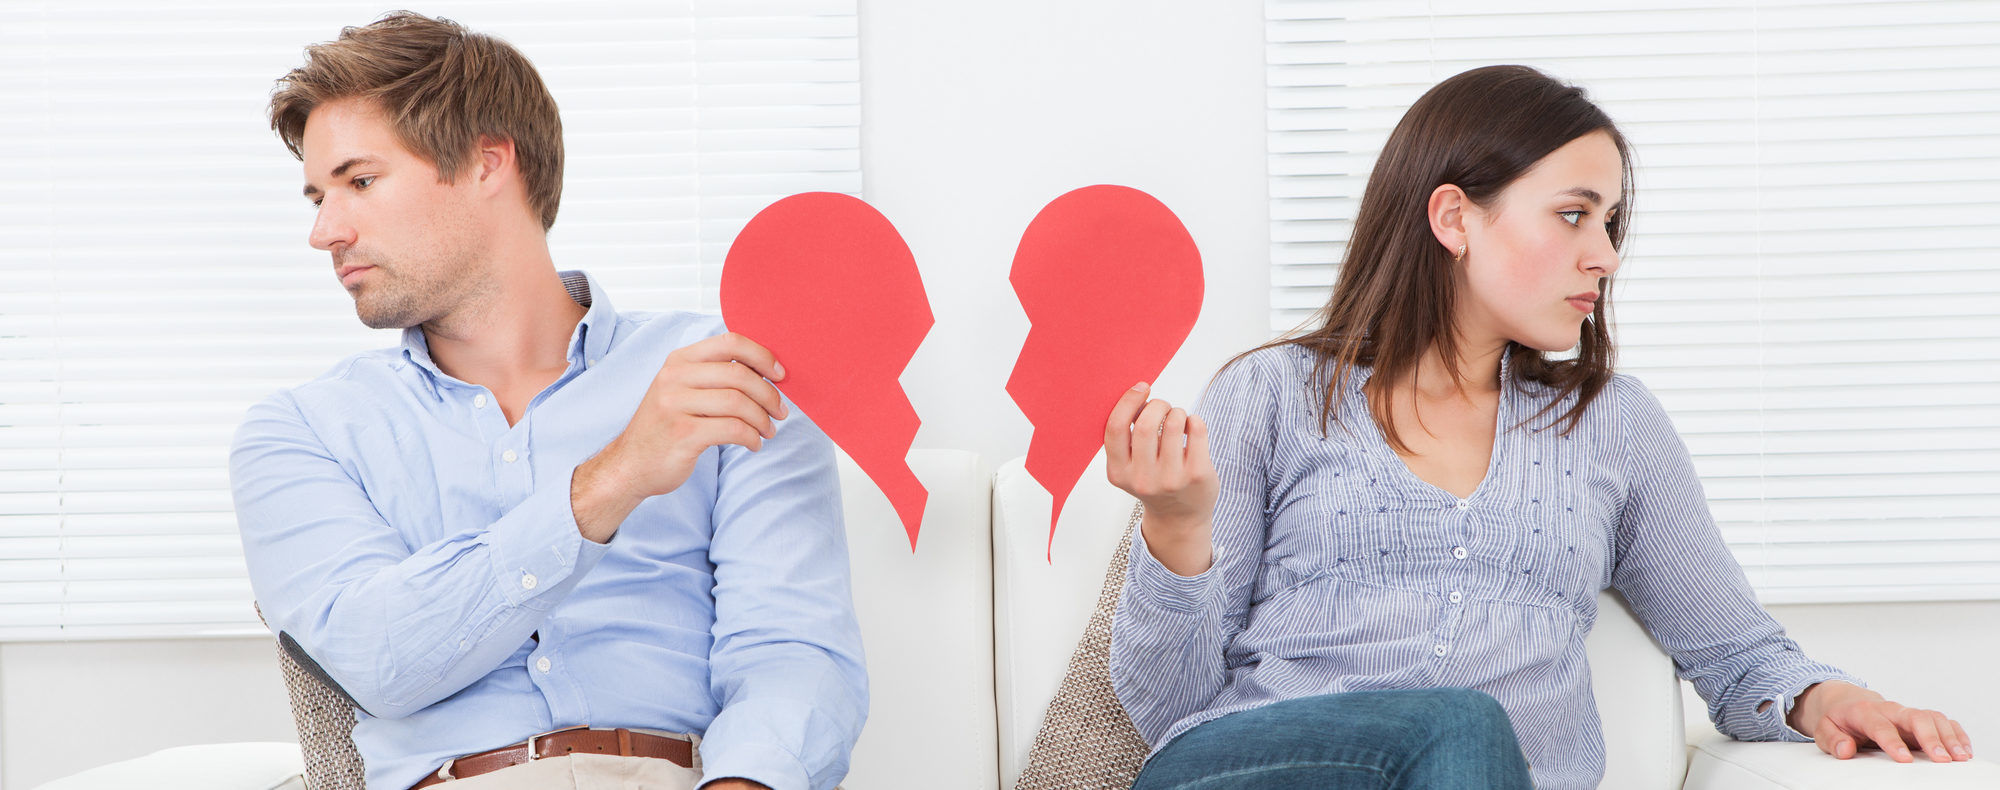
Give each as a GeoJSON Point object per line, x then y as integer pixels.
{"type": "Point", "coordinates": [443, 88]}
{"type": "Point", "coordinates": [1394, 298]}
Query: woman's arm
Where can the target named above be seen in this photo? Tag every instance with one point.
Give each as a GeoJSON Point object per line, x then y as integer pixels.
{"type": "Point", "coordinates": [1196, 553]}
{"type": "Point", "coordinates": [1674, 568]}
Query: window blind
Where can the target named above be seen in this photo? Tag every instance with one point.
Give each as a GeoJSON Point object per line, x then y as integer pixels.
{"type": "Point", "coordinates": [1812, 280]}
{"type": "Point", "coordinates": [157, 280]}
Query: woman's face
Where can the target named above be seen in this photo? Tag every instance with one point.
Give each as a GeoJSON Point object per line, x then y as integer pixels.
{"type": "Point", "coordinates": [1536, 258]}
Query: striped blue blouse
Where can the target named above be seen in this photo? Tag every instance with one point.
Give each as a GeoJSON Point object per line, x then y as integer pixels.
{"type": "Point", "coordinates": [1337, 569]}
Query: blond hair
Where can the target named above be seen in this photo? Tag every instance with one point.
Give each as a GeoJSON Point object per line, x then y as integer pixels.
{"type": "Point", "coordinates": [443, 87]}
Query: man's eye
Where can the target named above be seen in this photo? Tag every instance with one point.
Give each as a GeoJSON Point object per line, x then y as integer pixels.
{"type": "Point", "coordinates": [1572, 217]}
{"type": "Point", "coordinates": [315, 202]}
{"type": "Point", "coordinates": [362, 182]}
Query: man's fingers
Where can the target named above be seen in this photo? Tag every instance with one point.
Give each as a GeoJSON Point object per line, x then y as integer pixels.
{"type": "Point", "coordinates": [730, 346]}
{"type": "Point", "coordinates": [739, 377]}
{"type": "Point", "coordinates": [1118, 426]}
{"type": "Point", "coordinates": [718, 431]}
{"type": "Point", "coordinates": [732, 404]}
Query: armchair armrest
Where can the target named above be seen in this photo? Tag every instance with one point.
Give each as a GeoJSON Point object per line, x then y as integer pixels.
{"type": "Point", "coordinates": [1718, 763]}
{"type": "Point", "coordinates": [216, 766]}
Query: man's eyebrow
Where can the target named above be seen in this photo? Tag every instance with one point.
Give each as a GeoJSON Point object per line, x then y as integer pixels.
{"type": "Point", "coordinates": [342, 170]}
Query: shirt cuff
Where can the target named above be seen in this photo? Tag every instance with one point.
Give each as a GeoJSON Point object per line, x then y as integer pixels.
{"type": "Point", "coordinates": [763, 763]}
{"type": "Point", "coordinates": [1164, 588]}
{"type": "Point", "coordinates": [537, 546]}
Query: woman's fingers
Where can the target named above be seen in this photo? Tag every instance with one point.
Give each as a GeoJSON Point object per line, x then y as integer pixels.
{"type": "Point", "coordinates": [1955, 739]}
{"type": "Point", "coordinates": [1923, 728]}
{"type": "Point", "coordinates": [1880, 729]}
{"type": "Point", "coordinates": [1173, 444]}
{"type": "Point", "coordinates": [1197, 449]}
{"type": "Point", "coordinates": [1118, 426]}
{"type": "Point", "coordinates": [1146, 433]}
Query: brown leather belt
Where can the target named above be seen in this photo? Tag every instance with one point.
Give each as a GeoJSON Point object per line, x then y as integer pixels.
{"type": "Point", "coordinates": [559, 743]}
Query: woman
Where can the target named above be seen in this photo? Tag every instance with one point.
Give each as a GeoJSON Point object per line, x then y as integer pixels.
{"type": "Point", "coordinates": [1410, 509]}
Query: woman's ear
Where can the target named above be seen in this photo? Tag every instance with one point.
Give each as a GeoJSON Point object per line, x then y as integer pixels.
{"type": "Point", "coordinates": [1447, 213]}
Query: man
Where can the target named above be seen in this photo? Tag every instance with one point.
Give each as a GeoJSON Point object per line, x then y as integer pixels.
{"type": "Point", "coordinates": [537, 513]}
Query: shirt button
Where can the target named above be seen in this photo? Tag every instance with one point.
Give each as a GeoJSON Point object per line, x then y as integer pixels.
{"type": "Point", "coordinates": [1440, 650]}
{"type": "Point", "coordinates": [543, 662]}
{"type": "Point", "coordinates": [1455, 597]}
{"type": "Point", "coordinates": [1462, 504]}
{"type": "Point", "coordinates": [509, 456]}
{"type": "Point", "coordinates": [528, 581]}
{"type": "Point", "coordinates": [479, 401]}
{"type": "Point", "coordinates": [1458, 552]}
{"type": "Point", "coordinates": [590, 363]}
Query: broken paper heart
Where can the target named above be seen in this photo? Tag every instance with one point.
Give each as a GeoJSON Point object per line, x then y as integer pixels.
{"type": "Point", "coordinates": [1112, 283]}
{"type": "Point", "coordinates": [828, 285]}
{"type": "Point", "coordinates": [1110, 279]}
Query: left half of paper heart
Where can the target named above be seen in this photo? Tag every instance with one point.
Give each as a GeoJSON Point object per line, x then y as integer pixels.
{"type": "Point", "coordinates": [826, 283]}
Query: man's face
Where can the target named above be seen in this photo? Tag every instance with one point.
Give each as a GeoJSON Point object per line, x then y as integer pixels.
{"type": "Point", "coordinates": [404, 245]}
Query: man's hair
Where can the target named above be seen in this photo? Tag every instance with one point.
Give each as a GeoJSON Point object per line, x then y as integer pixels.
{"type": "Point", "coordinates": [443, 87]}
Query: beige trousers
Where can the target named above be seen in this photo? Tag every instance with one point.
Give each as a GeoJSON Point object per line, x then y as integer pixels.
{"type": "Point", "coordinates": [584, 772]}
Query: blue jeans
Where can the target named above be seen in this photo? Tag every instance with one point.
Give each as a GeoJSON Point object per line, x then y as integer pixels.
{"type": "Point", "coordinates": [1380, 740]}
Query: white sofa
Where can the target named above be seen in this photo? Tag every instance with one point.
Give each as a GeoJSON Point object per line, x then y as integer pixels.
{"type": "Point", "coordinates": [968, 637]}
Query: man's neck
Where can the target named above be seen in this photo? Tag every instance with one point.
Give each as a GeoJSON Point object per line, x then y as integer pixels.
{"type": "Point", "coordinates": [515, 334]}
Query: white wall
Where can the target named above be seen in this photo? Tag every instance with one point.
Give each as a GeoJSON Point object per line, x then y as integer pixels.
{"type": "Point", "coordinates": [977, 115]}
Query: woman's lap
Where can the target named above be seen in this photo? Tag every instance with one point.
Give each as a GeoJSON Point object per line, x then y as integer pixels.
{"type": "Point", "coordinates": [1430, 738]}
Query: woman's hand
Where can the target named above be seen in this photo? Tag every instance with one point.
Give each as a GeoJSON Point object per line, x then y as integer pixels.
{"type": "Point", "coordinates": [1159, 454]}
{"type": "Point", "coordinates": [1842, 717]}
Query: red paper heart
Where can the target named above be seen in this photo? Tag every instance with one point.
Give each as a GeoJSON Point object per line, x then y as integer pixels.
{"type": "Point", "coordinates": [1112, 283]}
{"type": "Point", "coordinates": [828, 285]}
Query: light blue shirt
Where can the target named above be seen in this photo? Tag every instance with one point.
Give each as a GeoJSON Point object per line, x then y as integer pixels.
{"type": "Point", "coordinates": [1337, 569]}
{"type": "Point", "coordinates": [423, 552]}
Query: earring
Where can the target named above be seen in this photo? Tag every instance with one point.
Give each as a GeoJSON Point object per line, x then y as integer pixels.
{"type": "Point", "coordinates": [1460, 256]}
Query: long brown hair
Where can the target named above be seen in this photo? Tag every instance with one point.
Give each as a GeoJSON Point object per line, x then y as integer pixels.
{"type": "Point", "coordinates": [1394, 298]}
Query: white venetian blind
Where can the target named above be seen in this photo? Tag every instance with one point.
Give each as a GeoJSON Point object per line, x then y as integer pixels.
{"type": "Point", "coordinates": [155, 278]}
{"type": "Point", "coordinates": [1812, 285]}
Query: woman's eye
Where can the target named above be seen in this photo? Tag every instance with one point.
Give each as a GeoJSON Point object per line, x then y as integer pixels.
{"type": "Point", "coordinates": [1572, 217]}
{"type": "Point", "coordinates": [362, 182]}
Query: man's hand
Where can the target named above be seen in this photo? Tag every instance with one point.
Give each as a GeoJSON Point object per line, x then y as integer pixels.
{"type": "Point", "coordinates": [1842, 717]}
{"type": "Point", "coordinates": [707, 394]}
{"type": "Point", "coordinates": [1159, 454]}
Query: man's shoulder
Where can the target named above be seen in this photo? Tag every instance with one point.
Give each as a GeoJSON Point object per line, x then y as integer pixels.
{"type": "Point", "coordinates": [672, 328]}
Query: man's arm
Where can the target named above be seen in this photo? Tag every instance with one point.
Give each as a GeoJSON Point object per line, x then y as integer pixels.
{"type": "Point", "coordinates": [395, 629]}
{"type": "Point", "coordinates": [786, 665]}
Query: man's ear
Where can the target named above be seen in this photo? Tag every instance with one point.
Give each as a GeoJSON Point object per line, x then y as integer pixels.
{"type": "Point", "coordinates": [495, 164]}
{"type": "Point", "coordinates": [1447, 212]}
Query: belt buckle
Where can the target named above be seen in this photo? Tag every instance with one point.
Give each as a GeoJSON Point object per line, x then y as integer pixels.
{"type": "Point", "coordinates": [534, 755]}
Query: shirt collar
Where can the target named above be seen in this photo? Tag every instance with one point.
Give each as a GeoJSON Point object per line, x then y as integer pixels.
{"type": "Point", "coordinates": [587, 343]}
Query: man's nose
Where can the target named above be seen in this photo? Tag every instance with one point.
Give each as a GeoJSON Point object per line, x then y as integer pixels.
{"type": "Point", "coordinates": [330, 228]}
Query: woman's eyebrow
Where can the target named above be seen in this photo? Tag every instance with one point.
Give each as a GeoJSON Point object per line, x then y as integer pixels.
{"type": "Point", "coordinates": [1584, 192]}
